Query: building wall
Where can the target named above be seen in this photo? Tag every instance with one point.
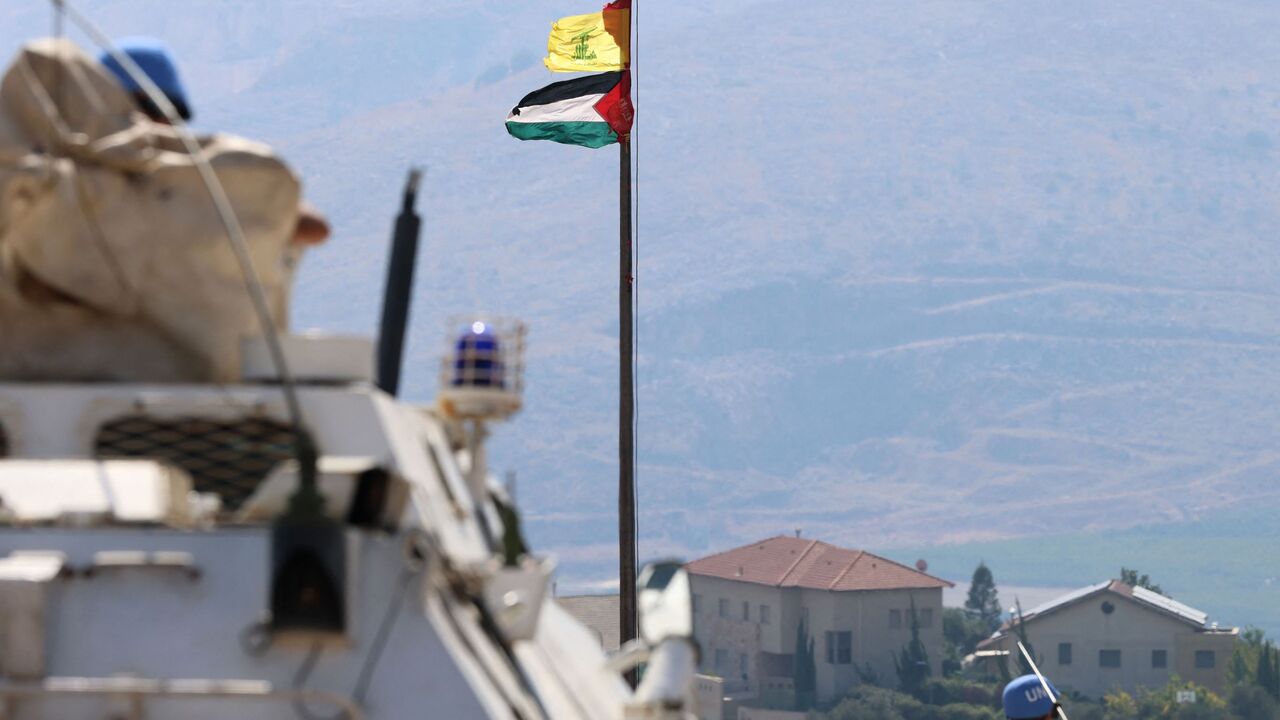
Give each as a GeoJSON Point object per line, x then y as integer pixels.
{"type": "Point", "coordinates": [1221, 643]}
{"type": "Point", "coordinates": [875, 642]}
{"type": "Point", "coordinates": [733, 635]}
{"type": "Point", "coordinates": [865, 614]}
{"type": "Point", "coordinates": [1133, 629]}
{"type": "Point", "coordinates": [708, 697]}
{"type": "Point", "coordinates": [748, 713]}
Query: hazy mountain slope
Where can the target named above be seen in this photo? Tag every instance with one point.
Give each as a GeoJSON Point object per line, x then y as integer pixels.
{"type": "Point", "coordinates": [932, 271]}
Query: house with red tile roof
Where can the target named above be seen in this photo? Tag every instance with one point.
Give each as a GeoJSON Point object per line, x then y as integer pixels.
{"type": "Point", "coordinates": [856, 606]}
{"type": "Point", "coordinates": [1113, 635]}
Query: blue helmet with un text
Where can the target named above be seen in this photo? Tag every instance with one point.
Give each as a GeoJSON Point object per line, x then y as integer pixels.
{"type": "Point", "coordinates": [1025, 698]}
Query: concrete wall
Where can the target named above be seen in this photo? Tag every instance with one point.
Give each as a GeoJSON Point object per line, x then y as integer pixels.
{"type": "Point", "coordinates": [1136, 631]}
{"type": "Point", "coordinates": [708, 697]}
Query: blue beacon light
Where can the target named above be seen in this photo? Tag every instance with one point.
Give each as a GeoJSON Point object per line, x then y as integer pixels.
{"type": "Point", "coordinates": [477, 360]}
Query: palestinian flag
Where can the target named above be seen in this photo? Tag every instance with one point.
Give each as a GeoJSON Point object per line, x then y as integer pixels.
{"type": "Point", "coordinates": [591, 111]}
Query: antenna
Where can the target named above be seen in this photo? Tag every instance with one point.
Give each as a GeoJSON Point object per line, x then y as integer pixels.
{"type": "Point", "coordinates": [1043, 683]}
{"type": "Point", "coordinates": [397, 296]}
{"type": "Point", "coordinates": [308, 581]}
{"type": "Point", "coordinates": [307, 500]}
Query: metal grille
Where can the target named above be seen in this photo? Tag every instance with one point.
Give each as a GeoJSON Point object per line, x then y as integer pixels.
{"type": "Point", "coordinates": [227, 457]}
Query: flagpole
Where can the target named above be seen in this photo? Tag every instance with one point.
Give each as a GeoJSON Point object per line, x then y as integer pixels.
{"type": "Point", "coordinates": [626, 408]}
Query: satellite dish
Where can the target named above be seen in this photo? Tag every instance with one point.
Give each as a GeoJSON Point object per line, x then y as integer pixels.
{"type": "Point", "coordinates": [921, 565]}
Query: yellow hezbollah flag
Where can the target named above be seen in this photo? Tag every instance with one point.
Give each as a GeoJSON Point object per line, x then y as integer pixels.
{"type": "Point", "coordinates": [596, 42]}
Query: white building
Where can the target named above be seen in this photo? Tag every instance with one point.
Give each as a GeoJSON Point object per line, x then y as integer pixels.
{"type": "Point", "coordinates": [749, 601]}
{"type": "Point", "coordinates": [1112, 635]}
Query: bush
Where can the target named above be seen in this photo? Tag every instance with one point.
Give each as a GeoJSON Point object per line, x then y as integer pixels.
{"type": "Point", "coordinates": [1163, 703]}
{"type": "Point", "coordinates": [945, 691]}
{"type": "Point", "coordinates": [959, 711]}
{"type": "Point", "coordinates": [869, 704]}
{"type": "Point", "coordinates": [1251, 702]}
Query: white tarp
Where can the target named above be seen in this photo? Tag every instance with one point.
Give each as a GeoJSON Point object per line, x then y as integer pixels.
{"type": "Point", "coordinates": [113, 263]}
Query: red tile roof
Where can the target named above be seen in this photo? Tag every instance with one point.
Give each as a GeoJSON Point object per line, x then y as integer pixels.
{"type": "Point", "coordinates": [786, 561]}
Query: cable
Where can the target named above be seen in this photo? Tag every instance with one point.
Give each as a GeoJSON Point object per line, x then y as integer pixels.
{"type": "Point", "coordinates": [371, 658]}
{"type": "Point", "coordinates": [300, 679]}
{"type": "Point", "coordinates": [226, 214]}
{"type": "Point", "coordinates": [380, 638]}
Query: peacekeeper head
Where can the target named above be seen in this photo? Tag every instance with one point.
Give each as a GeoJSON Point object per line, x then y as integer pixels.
{"type": "Point", "coordinates": [156, 61]}
{"type": "Point", "coordinates": [1026, 699]}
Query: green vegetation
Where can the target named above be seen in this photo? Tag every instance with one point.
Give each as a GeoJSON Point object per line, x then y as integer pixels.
{"type": "Point", "coordinates": [912, 665]}
{"type": "Point", "coordinates": [805, 671]}
{"type": "Point", "coordinates": [961, 631]}
{"type": "Point", "coordinates": [959, 698]}
{"type": "Point", "coordinates": [1133, 579]}
{"type": "Point", "coordinates": [983, 600]}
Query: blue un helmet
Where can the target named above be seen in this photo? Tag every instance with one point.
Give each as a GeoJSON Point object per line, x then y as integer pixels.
{"type": "Point", "coordinates": [156, 61]}
{"type": "Point", "coordinates": [1025, 698]}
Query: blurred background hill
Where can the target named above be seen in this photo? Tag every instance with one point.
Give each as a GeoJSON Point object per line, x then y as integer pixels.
{"type": "Point", "coordinates": [914, 275]}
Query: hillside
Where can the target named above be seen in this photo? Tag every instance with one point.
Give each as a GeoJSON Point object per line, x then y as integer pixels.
{"type": "Point", "coordinates": [943, 271]}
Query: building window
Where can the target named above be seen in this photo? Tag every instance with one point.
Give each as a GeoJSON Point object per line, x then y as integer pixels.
{"type": "Point", "coordinates": [722, 661]}
{"type": "Point", "coordinates": [895, 618]}
{"type": "Point", "coordinates": [1109, 658]}
{"type": "Point", "coordinates": [746, 611]}
{"type": "Point", "coordinates": [742, 665]}
{"type": "Point", "coordinates": [1159, 659]}
{"type": "Point", "coordinates": [924, 618]}
{"type": "Point", "coordinates": [839, 647]}
{"type": "Point", "coordinates": [1064, 653]}
{"type": "Point", "coordinates": [724, 608]}
{"type": "Point", "coordinates": [764, 614]}
{"type": "Point", "coordinates": [1205, 660]}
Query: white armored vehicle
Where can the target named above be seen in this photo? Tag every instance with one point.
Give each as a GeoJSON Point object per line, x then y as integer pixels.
{"type": "Point", "coordinates": [202, 516]}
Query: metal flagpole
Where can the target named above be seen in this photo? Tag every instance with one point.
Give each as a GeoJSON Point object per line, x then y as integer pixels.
{"type": "Point", "coordinates": [626, 406]}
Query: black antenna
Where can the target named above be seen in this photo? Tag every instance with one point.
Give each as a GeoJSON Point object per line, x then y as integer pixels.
{"type": "Point", "coordinates": [398, 293]}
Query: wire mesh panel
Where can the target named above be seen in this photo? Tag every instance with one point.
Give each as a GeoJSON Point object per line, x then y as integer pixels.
{"type": "Point", "coordinates": [227, 457]}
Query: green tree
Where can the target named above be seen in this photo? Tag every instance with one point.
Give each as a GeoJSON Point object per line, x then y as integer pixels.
{"type": "Point", "coordinates": [1238, 672]}
{"type": "Point", "coordinates": [983, 600]}
{"type": "Point", "coordinates": [962, 630]}
{"type": "Point", "coordinates": [912, 665]}
{"type": "Point", "coordinates": [804, 669]}
{"type": "Point", "coordinates": [1267, 675]}
{"type": "Point", "coordinates": [1133, 579]}
{"type": "Point", "coordinates": [1250, 702]}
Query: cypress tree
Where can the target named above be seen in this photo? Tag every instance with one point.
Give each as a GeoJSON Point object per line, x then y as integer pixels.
{"type": "Point", "coordinates": [1265, 676]}
{"type": "Point", "coordinates": [1274, 686]}
{"type": "Point", "coordinates": [913, 664]}
{"type": "Point", "coordinates": [983, 600]}
{"type": "Point", "coordinates": [804, 669]}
